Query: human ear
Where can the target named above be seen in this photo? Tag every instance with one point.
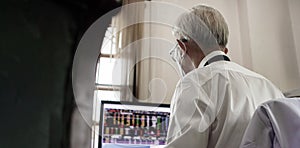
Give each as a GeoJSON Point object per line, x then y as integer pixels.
{"type": "Point", "coordinates": [181, 45]}
{"type": "Point", "coordinates": [225, 50]}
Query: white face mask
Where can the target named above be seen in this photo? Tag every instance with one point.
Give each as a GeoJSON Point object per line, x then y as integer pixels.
{"type": "Point", "coordinates": [183, 61]}
{"type": "Point", "coordinates": [186, 64]}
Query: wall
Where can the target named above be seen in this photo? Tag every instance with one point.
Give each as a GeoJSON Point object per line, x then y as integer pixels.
{"type": "Point", "coordinates": [295, 24]}
{"type": "Point", "coordinates": [272, 42]}
{"type": "Point", "coordinates": [35, 60]}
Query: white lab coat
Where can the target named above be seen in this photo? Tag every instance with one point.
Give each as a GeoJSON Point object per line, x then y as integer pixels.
{"type": "Point", "coordinates": [275, 124]}
{"type": "Point", "coordinates": [212, 105]}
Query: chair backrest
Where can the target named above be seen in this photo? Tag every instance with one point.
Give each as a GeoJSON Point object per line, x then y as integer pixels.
{"type": "Point", "coordinates": [276, 124]}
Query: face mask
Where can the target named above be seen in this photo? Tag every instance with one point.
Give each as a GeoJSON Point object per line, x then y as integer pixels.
{"type": "Point", "coordinates": [183, 61]}
{"type": "Point", "coordinates": [186, 64]}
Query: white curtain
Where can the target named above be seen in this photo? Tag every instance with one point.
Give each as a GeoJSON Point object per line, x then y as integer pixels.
{"type": "Point", "coordinates": [129, 24]}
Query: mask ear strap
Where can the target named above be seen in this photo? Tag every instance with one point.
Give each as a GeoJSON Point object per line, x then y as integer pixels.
{"type": "Point", "coordinates": [182, 73]}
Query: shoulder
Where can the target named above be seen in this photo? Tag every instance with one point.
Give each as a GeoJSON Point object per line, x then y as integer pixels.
{"type": "Point", "coordinates": [189, 90]}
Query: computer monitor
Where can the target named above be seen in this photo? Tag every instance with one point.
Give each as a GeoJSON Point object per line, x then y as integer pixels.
{"type": "Point", "coordinates": [137, 125]}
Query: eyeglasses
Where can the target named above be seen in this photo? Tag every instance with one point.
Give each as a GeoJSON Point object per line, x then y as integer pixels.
{"type": "Point", "coordinates": [184, 39]}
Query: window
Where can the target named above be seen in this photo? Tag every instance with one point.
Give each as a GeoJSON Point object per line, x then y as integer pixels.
{"type": "Point", "coordinates": [108, 79]}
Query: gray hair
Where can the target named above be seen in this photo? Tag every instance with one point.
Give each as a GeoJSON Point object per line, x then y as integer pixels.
{"type": "Point", "coordinates": [205, 25]}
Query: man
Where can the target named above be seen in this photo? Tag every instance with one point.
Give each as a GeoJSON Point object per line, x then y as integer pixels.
{"type": "Point", "coordinates": [216, 98]}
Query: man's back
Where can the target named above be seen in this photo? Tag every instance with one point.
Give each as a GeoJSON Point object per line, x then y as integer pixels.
{"type": "Point", "coordinates": [212, 105]}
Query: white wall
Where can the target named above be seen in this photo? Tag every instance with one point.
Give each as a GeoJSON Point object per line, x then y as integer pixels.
{"type": "Point", "coordinates": [272, 42]}
{"type": "Point", "coordinates": [294, 6]}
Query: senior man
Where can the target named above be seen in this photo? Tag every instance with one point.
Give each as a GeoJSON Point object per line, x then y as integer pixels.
{"type": "Point", "coordinates": [215, 99]}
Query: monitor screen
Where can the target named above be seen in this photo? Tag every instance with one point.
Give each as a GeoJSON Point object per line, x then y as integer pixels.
{"type": "Point", "coordinates": [138, 125]}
